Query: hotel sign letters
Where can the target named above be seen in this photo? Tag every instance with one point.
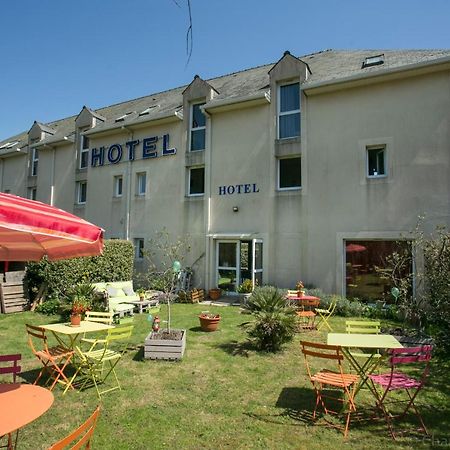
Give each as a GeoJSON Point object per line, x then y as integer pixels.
{"type": "Point", "coordinates": [238, 189]}
{"type": "Point", "coordinates": [115, 153]}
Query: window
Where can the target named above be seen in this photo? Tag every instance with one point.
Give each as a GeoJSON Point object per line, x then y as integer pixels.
{"type": "Point", "coordinates": [81, 192]}
{"type": "Point", "coordinates": [198, 127]}
{"type": "Point", "coordinates": [373, 61]}
{"type": "Point", "coordinates": [138, 248]}
{"type": "Point", "coordinates": [289, 173]}
{"type": "Point", "coordinates": [84, 152]}
{"type": "Point", "coordinates": [376, 162]}
{"type": "Point", "coordinates": [141, 183]}
{"type": "Point", "coordinates": [32, 192]}
{"type": "Point", "coordinates": [34, 161]}
{"type": "Point", "coordinates": [197, 181]}
{"type": "Point", "coordinates": [118, 186]}
{"type": "Point", "coordinates": [368, 264]}
{"type": "Point", "coordinates": [289, 111]}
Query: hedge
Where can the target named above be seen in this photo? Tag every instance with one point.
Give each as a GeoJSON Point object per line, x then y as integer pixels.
{"type": "Point", "coordinates": [115, 264]}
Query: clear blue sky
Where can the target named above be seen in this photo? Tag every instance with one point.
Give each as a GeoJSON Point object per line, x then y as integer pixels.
{"type": "Point", "coordinates": [56, 56]}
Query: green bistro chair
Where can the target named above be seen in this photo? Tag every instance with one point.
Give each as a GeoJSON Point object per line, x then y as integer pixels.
{"type": "Point", "coordinates": [325, 314]}
{"type": "Point", "coordinates": [100, 361]}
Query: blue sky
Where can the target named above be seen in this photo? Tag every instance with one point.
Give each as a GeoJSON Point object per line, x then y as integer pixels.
{"type": "Point", "coordinates": [57, 56]}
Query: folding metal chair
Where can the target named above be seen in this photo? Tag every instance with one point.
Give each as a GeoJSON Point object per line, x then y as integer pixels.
{"type": "Point", "coordinates": [417, 360]}
{"type": "Point", "coordinates": [325, 314]}
{"type": "Point", "coordinates": [98, 317]}
{"type": "Point", "coordinates": [14, 369]}
{"type": "Point", "coordinates": [100, 360]}
{"type": "Point", "coordinates": [331, 380]}
{"type": "Point", "coordinates": [54, 359]}
{"type": "Point", "coordinates": [82, 436]}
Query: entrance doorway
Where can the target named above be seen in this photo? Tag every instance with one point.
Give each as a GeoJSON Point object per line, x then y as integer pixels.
{"type": "Point", "coordinates": [236, 261]}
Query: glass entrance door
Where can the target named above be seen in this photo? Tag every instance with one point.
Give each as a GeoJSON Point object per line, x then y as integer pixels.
{"type": "Point", "coordinates": [238, 261]}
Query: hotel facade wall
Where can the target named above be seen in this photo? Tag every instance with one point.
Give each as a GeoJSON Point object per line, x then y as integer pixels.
{"type": "Point", "coordinates": [303, 230]}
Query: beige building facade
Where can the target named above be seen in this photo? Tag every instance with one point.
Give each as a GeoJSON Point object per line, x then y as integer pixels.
{"type": "Point", "coordinates": [312, 168]}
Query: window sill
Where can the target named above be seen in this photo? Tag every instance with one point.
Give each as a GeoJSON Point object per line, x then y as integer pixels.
{"type": "Point", "coordinates": [288, 192]}
{"type": "Point", "coordinates": [194, 197]}
{"type": "Point", "coordinates": [290, 140]}
{"type": "Point", "coordinates": [80, 205]}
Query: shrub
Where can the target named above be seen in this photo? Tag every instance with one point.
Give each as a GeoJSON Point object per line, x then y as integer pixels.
{"type": "Point", "coordinates": [115, 264]}
{"type": "Point", "coordinates": [275, 322]}
{"type": "Point", "coordinates": [49, 307]}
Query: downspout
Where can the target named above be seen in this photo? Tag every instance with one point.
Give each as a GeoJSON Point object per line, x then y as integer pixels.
{"type": "Point", "coordinates": [2, 162]}
{"type": "Point", "coordinates": [52, 180]}
{"type": "Point", "coordinates": [128, 193]}
{"type": "Point", "coordinates": [208, 183]}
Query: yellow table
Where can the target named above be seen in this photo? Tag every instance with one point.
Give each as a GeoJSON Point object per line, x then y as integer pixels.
{"type": "Point", "coordinates": [72, 333]}
{"type": "Point", "coordinates": [363, 341]}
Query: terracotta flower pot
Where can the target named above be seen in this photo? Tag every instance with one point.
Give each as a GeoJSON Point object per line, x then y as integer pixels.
{"type": "Point", "coordinates": [209, 322]}
{"type": "Point", "coordinates": [214, 293]}
{"type": "Point", "coordinates": [75, 320]}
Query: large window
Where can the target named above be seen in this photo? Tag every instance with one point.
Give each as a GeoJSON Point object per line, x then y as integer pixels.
{"type": "Point", "coordinates": [289, 173]}
{"type": "Point", "coordinates": [84, 152]}
{"type": "Point", "coordinates": [32, 193]}
{"type": "Point", "coordinates": [81, 192]}
{"type": "Point", "coordinates": [197, 181]}
{"type": "Point", "coordinates": [34, 161]}
{"type": "Point", "coordinates": [368, 268]}
{"type": "Point", "coordinates": [197, 128]}
{"type": "Point", "coordinates": [376, 161]}
{"type": "Point", "coordinates": [141, 183]}
{"type": "Point", "coordinates": [289, 111]}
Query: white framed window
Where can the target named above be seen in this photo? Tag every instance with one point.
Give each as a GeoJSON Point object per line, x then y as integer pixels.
{"type": "Point", "coordinates": [138, 248]}
{"type": "Point", "coordinates": [84, 152]}
{"type": "Point", "coordinates": [288, 110]}
{"type": "Point", "coordinates": [197, 128]}
{"type": "Point", "coordinates": [81, 192]}
{"type": "Point", "coordinates": [34, 161]}
{"type": "Point", "coordinates": [196, 181]}
{"type": "Point", "coordinates": [118, 186]}
{"type": "Point", "coordinates": [376, 161]}
{"type": "Point", "coordinates": [141, 183]}
{"type": "Point", "coordinates": [289, 173]}
{"type": "Point", "coordinates": [32, 193]}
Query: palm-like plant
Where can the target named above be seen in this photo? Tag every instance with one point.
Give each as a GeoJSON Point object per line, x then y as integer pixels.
{"type": "Point", "coordinates": [275, 320]}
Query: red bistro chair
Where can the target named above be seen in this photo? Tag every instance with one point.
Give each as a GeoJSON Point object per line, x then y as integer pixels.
{"type": "Point", "coordinates": [418, 360]}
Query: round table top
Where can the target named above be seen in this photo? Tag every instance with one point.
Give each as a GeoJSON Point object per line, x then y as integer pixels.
{"type": "Point", "coordinates": [20, 404]}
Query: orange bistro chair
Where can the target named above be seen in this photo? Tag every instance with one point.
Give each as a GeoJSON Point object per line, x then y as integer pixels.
{"type": "Point", "coordinates": [81, 437]}
{"type": "Point", "coordinates": [330, 380]}
{"type": "Point", "coordinates": [54, 359]}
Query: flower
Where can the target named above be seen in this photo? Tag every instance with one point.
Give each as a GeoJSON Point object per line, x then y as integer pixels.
{"type": "Point", "coordinates": [299, 286]}
{"type": "Point", "coordinates": [80, 305]}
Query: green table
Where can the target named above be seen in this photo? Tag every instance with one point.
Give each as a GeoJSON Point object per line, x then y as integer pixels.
{"type": "Point", "coordinates": [72, 333]}
{"type": "Point", "coordinates": [363, 341]}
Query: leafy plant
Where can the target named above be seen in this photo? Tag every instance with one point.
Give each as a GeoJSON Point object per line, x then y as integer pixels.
{"type": "Point", "coordinates": [274, 321]}
{"type": "Point", "coordinates": [246, 287]}
{"type": "Point", "coordinates": [49, 307]}
{"type": "Point", "coordinates": [80, 305]}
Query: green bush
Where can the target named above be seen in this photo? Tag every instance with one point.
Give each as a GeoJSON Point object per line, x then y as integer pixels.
{"type": "Point", "coordinates": [275, 322]}
{"type": "Point", "coordinates": [115, 264]}
{"type": "Point", "coordinates": [49, 307]}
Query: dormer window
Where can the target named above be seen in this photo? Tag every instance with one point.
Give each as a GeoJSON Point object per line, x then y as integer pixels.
{"type": "Point", "coordinates": [289, 111]}
{"type": "Point", "coordinates": [197, 128]}
{"type": "Point", "coordinates": [373, 61]}
{"type": "Point", "coordinates": [8, 145]}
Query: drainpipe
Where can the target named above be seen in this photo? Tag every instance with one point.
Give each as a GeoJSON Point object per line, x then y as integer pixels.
{"type": "Point", "coordinates": [128, 193]}
{"type": "Point", "coordinates": [52, 180]}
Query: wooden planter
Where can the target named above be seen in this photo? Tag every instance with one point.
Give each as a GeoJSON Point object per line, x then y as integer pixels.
{"type": "Point", "coordinates": [165, 348]}
{"type": "Point", "coordinates": [214, 293]}
{"type": "Point", "coordinates": [209, 323]}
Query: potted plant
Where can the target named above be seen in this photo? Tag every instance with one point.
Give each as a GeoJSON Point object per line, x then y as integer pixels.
{"type": "Point", "coordinates": [300, 288]}
{"type": "Point", "coordinates": [79, 306]}
{"type": "Point", "coordinates": [209, 321]}
{"type": "Point", "coordinates": [246, 289]}
{"type": "Point", "coordinates": [141, 293]}
{"type": "Point", "coordinates": [215, 293]}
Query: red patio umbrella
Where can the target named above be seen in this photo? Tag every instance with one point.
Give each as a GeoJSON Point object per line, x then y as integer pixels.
{"type": "Point", "coordinates": [355, 248]}
{"type": "Point", "coordinates": [30, 229]}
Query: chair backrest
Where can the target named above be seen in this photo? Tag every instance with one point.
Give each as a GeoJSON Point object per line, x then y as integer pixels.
{"type": "Point", "coordinates": [291, 293]}
{"type": "Point", "coordinates": [36, 334]}
{"type": "Point", "coordinates": [99, 317]}
{"type": "Point", "coordinates": [362, 326]}
{"type": "Point", "coordinates": [322, 351]}
{"type": "Point", "coordinates": [12, 368]}
{"type": "Point", "coordinates": [410, 355]}
{"type": "Point", "coordinates": [119, 333]}
{"type": "Point", "coordinates": [82, 435]}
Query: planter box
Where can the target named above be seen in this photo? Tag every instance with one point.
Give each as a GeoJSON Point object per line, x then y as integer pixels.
{"type": "Point", "coordinates": [164, 348]}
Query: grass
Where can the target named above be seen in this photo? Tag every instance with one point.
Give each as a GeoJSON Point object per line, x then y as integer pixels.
{"type": "Point", "coordinates": [223, 394]}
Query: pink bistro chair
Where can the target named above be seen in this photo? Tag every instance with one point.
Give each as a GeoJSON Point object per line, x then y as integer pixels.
{"type": "Point", "coordinates": [417, 359]}
{"type": "Point", "coordinates": [11, 368]}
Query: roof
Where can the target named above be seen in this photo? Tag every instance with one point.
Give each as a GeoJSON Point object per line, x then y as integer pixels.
{"type": "Point", "coordinates": [326, 66]}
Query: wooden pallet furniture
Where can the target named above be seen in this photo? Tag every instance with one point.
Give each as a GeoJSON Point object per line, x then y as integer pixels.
{"type": "Point", "coordinates": [12, 297]}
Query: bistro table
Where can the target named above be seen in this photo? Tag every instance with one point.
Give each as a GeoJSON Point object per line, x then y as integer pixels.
{"type": "Point", "coordinates": [73, 332]}
{"type": "Point", "coordinates": [306, 304]}
{"type": "Point", "coordinates": [20, 404]}
{"type": "Point", "coordinates": [373, 342]}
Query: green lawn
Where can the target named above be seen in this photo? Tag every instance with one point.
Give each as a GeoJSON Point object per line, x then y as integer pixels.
{"type": "Point", "coordinates": [222, 395]}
